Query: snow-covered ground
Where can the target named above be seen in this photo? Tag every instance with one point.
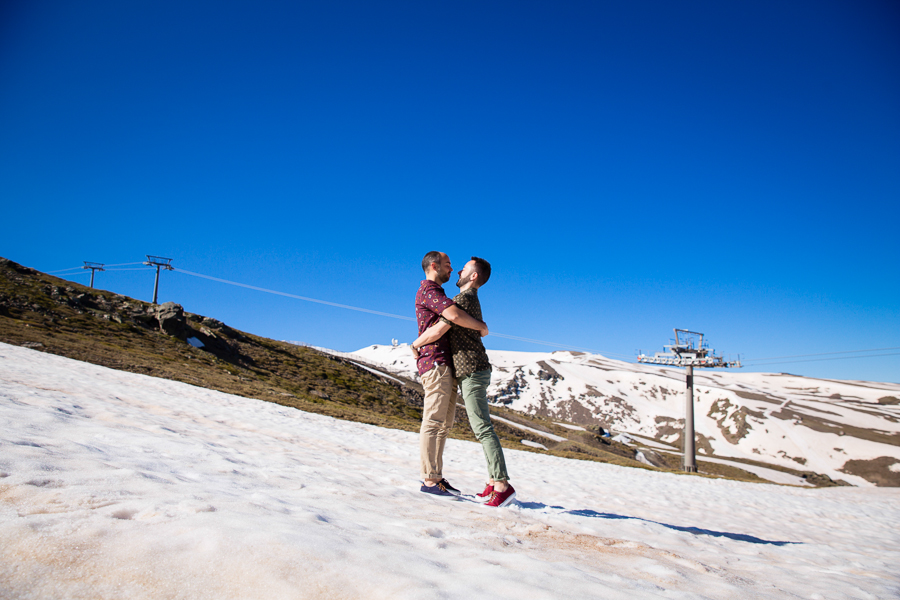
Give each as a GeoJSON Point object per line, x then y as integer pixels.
{"type": "Point", "coordinates": [797, 422]}
{"type": "Point", "coordinates": [117, 485]}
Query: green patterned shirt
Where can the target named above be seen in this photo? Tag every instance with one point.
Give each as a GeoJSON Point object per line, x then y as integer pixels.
{"type": "Point", "coordinates": [469, 355]}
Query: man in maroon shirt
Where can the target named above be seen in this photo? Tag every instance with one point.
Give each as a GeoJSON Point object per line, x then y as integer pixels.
{"type": "Point", "coordinates": [434, 364]}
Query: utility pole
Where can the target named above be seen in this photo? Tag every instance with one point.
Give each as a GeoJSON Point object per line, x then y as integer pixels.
{"type": "Point", "coordinates": [689, 462]}
{"type": "Point", "coordinates": [158, 261]}
{"type": "Point", "coordinates": [94, 267]}
{"type": "Point", "coordinates": [688, 352]}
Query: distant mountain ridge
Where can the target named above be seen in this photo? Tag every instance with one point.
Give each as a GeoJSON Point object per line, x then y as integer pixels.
{"type": "Point", "coordinates": [847, 430]}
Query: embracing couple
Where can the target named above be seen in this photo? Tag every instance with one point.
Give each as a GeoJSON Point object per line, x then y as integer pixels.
{"type": "Point", "coordinates": [450, 355]}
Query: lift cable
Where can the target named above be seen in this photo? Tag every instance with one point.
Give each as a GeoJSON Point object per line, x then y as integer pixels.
{"type": "Point", "coordinates": [259, 289]}
{"type": "Point", "coordinates": [784, 362]}
{"type": "Point", "coordinates": [376, 312]}
{"type": "Point", "coordinates": [746, 360]}
{"type": "Point", "coordinates": [74, 268]}
{"type": "Point", "coordinates": [132, 269]}
{"type": "Point", "coordinates": [771, 360]}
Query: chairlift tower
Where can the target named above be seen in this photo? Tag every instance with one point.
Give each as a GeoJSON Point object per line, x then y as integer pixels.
{"type": "Point", "coordinates": [158, 262]}
{"type": "Point", "coordinates": [689, 351]}
{"type": "Point", "coordinates": [94, 267]}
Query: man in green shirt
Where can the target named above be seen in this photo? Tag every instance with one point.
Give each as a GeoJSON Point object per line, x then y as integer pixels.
{"type": "Point", "coordinates": [473, 370]}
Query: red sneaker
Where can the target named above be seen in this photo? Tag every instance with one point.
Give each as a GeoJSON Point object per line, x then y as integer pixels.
{"type": "Point", "coordinates": [501, 499]}
{"type": "Point", "coordinates": [486, 494]}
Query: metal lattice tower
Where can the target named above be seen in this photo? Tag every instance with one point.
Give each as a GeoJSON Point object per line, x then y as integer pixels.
{"type": "Point", "coordinates": [94, 267]}
{"type": "Point", "coordinates": [689, 351]}
{"type": "Point", "coordinates": [158, 262]}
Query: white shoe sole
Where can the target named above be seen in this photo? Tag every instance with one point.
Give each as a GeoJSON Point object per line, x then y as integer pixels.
{"type": "Point", "coordinates": [450, 497]}
{"type": "Point", "coordinates": [508, 501]}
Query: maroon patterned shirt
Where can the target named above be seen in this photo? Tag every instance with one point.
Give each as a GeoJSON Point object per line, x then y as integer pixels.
{"type": "Point", "coordinates": [431, 301]}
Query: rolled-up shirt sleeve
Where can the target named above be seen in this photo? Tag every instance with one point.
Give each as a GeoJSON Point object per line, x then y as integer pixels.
{"type": "Point", "coordinates": [462, 303]}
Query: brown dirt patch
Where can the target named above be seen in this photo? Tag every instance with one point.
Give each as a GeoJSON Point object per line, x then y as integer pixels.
{"type": "Point", "coordinates": [876, 471]}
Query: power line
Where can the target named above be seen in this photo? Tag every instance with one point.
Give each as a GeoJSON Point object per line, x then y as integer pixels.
{"type": "Point", "coordinates": [555, 345]}
{"type": "Point", "coordinates": [259, 289]}
{"type": "Point", "coordinates": [822, 354]}
{"type": "Point", "coordinates": [135, 269]}
{"type": "Point", "coordinates": [366, 310]}
{"type": "Point", "coordinates": [786, 362]}
{"type": "Point", "coordinates": [74, 268]}
{"type": "Point", "coordinates": [82, 272]}
{"type": "Point", "coordinates": [774, 359]}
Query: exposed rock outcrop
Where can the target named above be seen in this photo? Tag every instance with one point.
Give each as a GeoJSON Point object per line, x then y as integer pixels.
{"type": "Point", "coordinates": [170, 317]}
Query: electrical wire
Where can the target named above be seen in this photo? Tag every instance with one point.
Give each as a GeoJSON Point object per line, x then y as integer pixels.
{"type": "Point", "coordinates": [259, 289]}
{"type": "Point", "coordinates": [137, 269]}
{"type": "Point", "coordinates": [104, 267]}
{"type": "Point", "coordinates": [521, 339]}
{"type": "Point", "coordinates": [563, 346]}
{"type": "Point", "coordinates": [751, 362]}
{"type": "Point", "coordinates": [374, 312]}
{"type": "Point", "coordinates": [786, 362]}
{"type": "Point", "coordinates": [821, 354]}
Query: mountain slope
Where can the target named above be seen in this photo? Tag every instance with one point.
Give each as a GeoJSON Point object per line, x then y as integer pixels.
{"type": "Point", "coordinates": [43, 312]}
{"type": "Point", "coordinates": [115, 485]}
{"type": "Point", "coordinates": [846, 430]}
{"type": "Point", "coordinates": [60, 317]}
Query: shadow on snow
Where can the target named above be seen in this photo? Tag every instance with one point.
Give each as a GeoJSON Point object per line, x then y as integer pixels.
{"type": "Point", "coordinates": [740, 537]}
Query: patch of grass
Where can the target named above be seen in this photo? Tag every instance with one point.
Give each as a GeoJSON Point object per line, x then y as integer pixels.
{"type": "Point", "coordinates": [877, 470]}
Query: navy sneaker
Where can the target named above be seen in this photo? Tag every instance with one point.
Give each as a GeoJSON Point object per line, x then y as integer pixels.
{"type": "Point", "coordinates": [448, 487]}
{"type": "Point", "coordinates": [439, 489]}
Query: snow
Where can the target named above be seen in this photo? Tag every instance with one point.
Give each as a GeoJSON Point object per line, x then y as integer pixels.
{"type": "Point", "coordinates": [534, 444]}
{"type": "Point", "coordinates": [767, 474]}
{"type": "Point", "coordinates": [633, 438]}
{"type": "Point", "coordinates": [784, 420]}
{"type": "Point", "coordinates": [549, 436]}
{"type": "Point", "coordinates": [640, 457]}
{"type": "Point", "coordinates": [568, 426]}
{"type": "Point", "coordinates": [379, 373]}
{"type": "Point", "coordinates": [117, 485]}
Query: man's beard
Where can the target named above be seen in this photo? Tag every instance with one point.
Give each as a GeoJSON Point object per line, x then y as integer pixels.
{"type": "Point", "coordinates": [444, 278]}
{"type": "Point", "coordinates": [461, 282]}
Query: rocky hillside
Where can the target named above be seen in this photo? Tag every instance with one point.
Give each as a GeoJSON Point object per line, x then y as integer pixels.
{"type": "Point", "coordinates": [57, 316]}
{"type": "Point", "coordinates": [53, 315]}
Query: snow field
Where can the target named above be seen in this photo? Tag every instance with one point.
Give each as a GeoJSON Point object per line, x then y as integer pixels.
{"type": "Point", "coordinates": [116, 485]}
{"type": "Point", "coordinates": [633, 396]}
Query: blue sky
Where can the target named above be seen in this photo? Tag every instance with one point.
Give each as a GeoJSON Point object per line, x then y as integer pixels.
{"type": "Point", "coordinates": [627, 168]}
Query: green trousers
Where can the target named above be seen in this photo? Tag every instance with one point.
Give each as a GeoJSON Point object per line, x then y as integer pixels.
{"type": "Point", "coordinates": [474, 392]}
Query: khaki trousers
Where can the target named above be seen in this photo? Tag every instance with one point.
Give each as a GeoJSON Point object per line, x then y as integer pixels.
{"type": "Point", "coordinates": [437, 419]}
